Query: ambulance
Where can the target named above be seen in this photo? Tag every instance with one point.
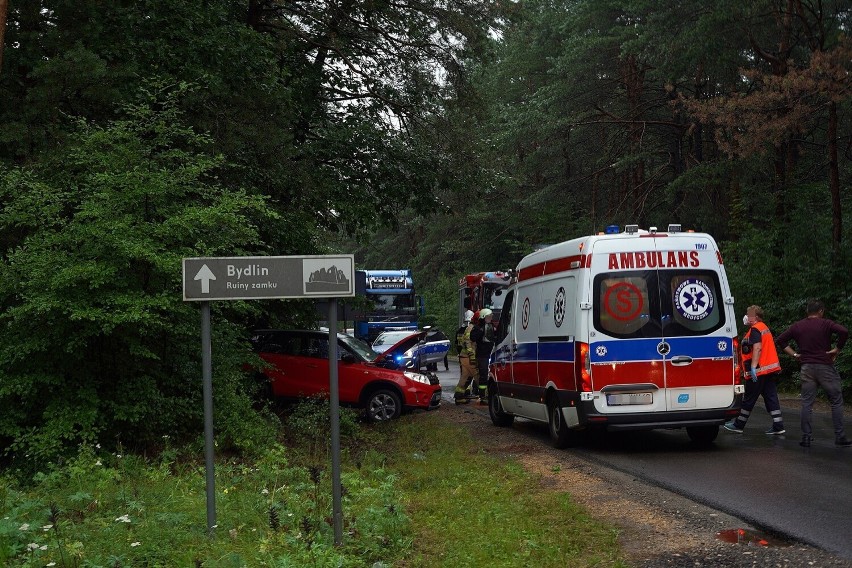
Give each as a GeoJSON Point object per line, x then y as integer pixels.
{"type": "Point", "coordinates": [623, 330]}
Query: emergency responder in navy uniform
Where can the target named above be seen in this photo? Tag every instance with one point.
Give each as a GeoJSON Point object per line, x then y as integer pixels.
{"type": "Point", "coordinates": [483, 336]}
{"type": "Point", "coordinates": [761, 368]}
{"type": "Point", "coordinates": [467, 362]}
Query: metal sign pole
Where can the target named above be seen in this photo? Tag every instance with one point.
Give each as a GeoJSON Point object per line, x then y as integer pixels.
{"type": "Point", "coordinates": [337, 510]}
{"type": "Point", "coordinates": [207, 379]}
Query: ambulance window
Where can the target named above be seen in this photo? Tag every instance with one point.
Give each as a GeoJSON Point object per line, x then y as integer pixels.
{"type": "Point", "coordinates": [505, 318]}
{"type": "Point", "coordinates": [694, 302]}
{"type": "Point", "coordinates": [623, 306]}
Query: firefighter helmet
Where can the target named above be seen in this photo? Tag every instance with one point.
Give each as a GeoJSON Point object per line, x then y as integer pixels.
{"type": "Point", "coordinates": [485, 312]}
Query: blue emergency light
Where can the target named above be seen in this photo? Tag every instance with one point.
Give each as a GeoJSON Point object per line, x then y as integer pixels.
{"type": "Point", "coordinates": [612, 230]}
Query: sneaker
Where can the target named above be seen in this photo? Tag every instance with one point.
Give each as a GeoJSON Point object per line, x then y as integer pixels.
{"type": "Point", "coordinates": [842, 442]}
{"type": "Point", "coordinates": [806, 442]}
{"type": "Point", "coordinates": [773, 432]}
{"type": "Point", "coordinates": [729, 426]}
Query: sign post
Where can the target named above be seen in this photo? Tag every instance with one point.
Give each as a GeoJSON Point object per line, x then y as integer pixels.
{"type": "Point", "coordinates": [207, 382]}
{"type": "Point", "coordinates": [269, 277]}
{"type": "Point", "coordinates": [334, 394]}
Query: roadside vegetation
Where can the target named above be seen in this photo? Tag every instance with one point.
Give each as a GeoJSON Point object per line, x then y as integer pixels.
{"type": "Point", "coordinates": [416, 493]}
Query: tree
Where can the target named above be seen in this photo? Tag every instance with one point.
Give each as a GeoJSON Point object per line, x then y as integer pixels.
{"type": "Point", "coordinates": [97, 345]}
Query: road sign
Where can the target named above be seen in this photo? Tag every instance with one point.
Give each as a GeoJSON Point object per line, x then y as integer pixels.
{"type": "Point", "coordinates": [268, 277]}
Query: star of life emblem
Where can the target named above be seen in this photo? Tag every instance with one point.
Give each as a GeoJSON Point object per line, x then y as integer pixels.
{"type": "Point", "coordinates": [694, 299]}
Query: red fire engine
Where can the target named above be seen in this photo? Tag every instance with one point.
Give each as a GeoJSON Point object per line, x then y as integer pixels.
{"type": "Point", "coordinates": [483, 290]}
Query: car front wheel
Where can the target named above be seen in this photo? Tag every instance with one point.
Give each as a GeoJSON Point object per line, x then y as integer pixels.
{"type": "Point", "coordinates": [382, 405]}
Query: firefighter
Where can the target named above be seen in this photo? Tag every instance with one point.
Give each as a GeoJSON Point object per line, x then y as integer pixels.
{"type": "Point", "coordinates": [467, 361]}
{"type": "Point", "coordinates": [761, 368]}
{"type": "Point", "coordinates": [483, 336]}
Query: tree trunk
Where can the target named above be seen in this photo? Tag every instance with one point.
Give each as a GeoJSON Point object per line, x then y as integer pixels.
{"type": "Point", "coordinates": [834, 184]}
{"type": "Point", "coordinates": [4, 9]}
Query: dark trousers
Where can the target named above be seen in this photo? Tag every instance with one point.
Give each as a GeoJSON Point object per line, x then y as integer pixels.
{"type": "Point", "coordinates": [826, 376]}
{"type": "Point", "coordinates": [482, 364]}
{"type": "Point", "coordinates": [767, 387]}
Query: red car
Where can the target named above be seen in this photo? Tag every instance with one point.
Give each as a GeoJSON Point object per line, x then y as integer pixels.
{"type": "Point", "coordinates": [299, 360]}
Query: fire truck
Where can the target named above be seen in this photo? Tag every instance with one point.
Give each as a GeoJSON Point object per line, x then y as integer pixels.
{"type": "Point", "coordinates": [483, 290]}
{"type": "Point", "coordinates": [392, 303]}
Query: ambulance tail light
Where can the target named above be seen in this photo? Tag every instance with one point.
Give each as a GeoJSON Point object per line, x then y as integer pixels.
{"type": "Point", "coordinates": [738, 375]}
{"type": "Point", "coordinates": [583, 367]}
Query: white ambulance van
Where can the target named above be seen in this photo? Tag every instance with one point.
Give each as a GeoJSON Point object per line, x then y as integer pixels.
{"type": "Point", "coordinates": [620, 331]}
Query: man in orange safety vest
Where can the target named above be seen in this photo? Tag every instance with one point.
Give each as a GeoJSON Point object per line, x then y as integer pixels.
{"type": "Point", "coordinates": [761, 369]}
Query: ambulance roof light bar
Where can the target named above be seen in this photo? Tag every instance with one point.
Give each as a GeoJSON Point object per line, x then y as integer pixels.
{"type": "Point", "coordinates": [631, 229]}
{"type": "Point", "coordinates": [612, 230]}
{"type": "Point", "coordinates": [675, 228]}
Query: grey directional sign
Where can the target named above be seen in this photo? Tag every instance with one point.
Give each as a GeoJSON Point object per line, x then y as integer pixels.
{"type": "Point", "coordinates": [268, 277]}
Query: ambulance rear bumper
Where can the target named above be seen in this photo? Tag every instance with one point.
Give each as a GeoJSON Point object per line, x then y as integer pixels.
{"type": "Point", "coordinates": [589, 417]}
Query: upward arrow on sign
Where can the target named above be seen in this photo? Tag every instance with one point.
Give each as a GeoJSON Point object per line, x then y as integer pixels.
{"type": "Point", "coordinates": [205, 275]}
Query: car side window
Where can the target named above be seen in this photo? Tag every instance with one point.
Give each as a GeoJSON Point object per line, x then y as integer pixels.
{"type": "Point", "coordinates": [316, 347]}
{"type": "Point", "coordinates": [289, 345]}
{"type": "Point", "coordinates": [278, 343]}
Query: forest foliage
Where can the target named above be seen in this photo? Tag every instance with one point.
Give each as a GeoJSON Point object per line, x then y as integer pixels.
{"type": "Point", "coordinates": [446, 137]}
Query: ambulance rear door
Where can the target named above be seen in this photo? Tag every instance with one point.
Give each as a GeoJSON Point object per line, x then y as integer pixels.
{"type": "Point", "coordinates": [658, 334]}
{"type": "Point", "coordinates": [697, 323]}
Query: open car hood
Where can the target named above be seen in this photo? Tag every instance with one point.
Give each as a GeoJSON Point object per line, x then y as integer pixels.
{"type": "Point", "coordinates": [402, 345]}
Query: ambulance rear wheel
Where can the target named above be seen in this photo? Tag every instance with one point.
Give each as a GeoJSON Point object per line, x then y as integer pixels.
{"type": "Point", "coordinates": [499, 417]}
{"type": "Point", "coordinates": [560, 434]}
{"type": "Point", "coordinates": [702, 435]}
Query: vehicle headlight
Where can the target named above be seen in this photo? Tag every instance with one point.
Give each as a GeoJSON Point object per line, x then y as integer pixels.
{"type": "Point", "coordinates": [420, 378]}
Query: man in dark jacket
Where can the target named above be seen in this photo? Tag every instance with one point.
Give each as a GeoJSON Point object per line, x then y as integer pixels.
{"type": "Point", "coordinates": [813, 338]}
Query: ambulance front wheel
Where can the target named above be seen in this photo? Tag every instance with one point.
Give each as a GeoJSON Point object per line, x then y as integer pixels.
{"type": "Point", "coordinates": [499, 417]}
{"type": "Point", "coordinates": [702, 435]}
{"type": "Point", "coordinates": [560, 434]}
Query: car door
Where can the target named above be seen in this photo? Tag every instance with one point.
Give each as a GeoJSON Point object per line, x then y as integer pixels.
{"type": "Point", "coordinates": [504, 343]}
{"type": "Point", "coordinates": [313, 376]}
{"type": "Point", "coordinates": [281, 349]}
{"type": "Point", "coordinates": [352, 374]}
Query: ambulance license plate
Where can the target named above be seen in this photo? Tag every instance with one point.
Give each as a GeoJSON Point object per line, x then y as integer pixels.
{"type": "Point", "coordinates": [623, 399]}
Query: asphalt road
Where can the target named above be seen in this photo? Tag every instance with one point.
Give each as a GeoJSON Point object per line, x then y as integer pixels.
{"type": "Point", "coordinates": [801, 494]}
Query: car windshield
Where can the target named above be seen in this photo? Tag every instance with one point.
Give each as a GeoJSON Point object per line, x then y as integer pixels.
{"type": "Point", "coordinates": [359, 347]}
{"type": "Point", "coordinates": [393, 303]}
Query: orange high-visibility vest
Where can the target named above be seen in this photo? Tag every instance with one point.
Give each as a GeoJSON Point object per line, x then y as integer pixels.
{"type": "Point", "coordinates": [768, 362]}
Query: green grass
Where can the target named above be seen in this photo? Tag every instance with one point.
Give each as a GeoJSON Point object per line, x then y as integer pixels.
{"type": "Point", "coordinates": [471, 509]}
{"type": "Point", "coordinates": [416, 493]}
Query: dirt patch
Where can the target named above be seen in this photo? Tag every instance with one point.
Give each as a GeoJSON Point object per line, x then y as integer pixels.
{"type": "Point", "coordinates": [656, 527]}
